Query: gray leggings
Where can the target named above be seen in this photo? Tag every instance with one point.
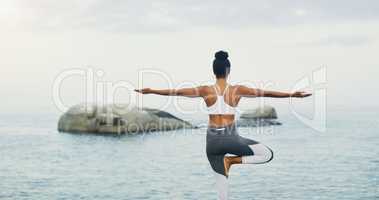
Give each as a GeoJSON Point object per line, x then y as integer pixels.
{"type": "Point", "coordinates": [226, 140]}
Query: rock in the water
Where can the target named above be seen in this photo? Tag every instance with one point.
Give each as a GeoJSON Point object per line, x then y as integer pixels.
{"type": "Point", "coordinates": [265, 112]}
{"type": "Point", "coordinates": [262, 116]}
{"type": "Point", "coordinates": [118, 119]}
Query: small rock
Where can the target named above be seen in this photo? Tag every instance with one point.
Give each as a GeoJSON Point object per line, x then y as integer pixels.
{"type": "Point", "coordinates": [262, 116]}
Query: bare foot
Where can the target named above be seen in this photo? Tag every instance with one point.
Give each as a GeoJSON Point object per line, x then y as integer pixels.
{"type": "Point", "coordinates": [227, 165]}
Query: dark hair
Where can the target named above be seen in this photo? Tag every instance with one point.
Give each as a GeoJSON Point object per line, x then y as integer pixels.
{"type": "Point", "coordinates": [221, 64]}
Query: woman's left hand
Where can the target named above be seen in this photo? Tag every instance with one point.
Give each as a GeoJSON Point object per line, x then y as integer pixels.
{"type": "Point", "coordinates": [300, 94]}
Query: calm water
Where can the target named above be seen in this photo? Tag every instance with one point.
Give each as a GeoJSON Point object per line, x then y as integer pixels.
{"type": "Point", "coordinates": [37, 162]}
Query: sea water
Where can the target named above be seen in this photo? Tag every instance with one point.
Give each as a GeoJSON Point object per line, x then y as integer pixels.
{"type": "Point", "coordinates": [37, 162]}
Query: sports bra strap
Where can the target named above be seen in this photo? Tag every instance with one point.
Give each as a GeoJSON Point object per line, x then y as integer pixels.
{"type": "Point", "coordinates": [219, 91]}
{"type": "Point", "coordinates": [226, 88]}
{"type": "Point", "coordinates": [215, 87]}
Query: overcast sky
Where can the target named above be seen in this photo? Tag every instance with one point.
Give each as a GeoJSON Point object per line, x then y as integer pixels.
{"type": "Point", "coordinates": [268, 41]}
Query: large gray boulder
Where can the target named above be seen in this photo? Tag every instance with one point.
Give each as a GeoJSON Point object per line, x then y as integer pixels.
{"type": "Point", "coordinates": [261, 116]}
{"type": "Point", "coordinates": [117, 119]}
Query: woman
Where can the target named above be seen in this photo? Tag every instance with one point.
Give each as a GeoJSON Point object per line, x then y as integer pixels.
{"type": "Point", "coordinates": [222, 136]}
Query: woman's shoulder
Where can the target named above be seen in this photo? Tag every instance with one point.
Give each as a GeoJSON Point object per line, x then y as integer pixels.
{"type": "Point", "coordinates": [237, 86]}
{"type": "Point", "coordinates": [205, 87]}
{"type": "Point", "coordinates": [211, 87]}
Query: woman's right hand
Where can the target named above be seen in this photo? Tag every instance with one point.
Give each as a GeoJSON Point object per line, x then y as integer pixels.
{"type": "Point", "coordinates": [144, 90]}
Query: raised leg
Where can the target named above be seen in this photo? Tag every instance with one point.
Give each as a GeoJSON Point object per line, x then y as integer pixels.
{"type": "Point", "coordinates": [261, 154]}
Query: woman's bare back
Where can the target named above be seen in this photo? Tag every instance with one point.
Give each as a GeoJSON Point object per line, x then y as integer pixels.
{"type": "Point", "coordinates": [230, 97]}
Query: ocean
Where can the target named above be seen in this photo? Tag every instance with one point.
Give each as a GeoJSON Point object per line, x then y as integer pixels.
{"type": "Point", "coordinates": [38, 162]}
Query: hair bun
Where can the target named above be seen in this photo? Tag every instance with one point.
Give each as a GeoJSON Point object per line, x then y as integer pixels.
{"type": "Point", "coordinates": [221, 55]}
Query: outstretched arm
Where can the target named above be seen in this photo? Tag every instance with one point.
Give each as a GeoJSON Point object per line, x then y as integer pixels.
{"type": "Point", "coordinates": [253, 92]}
{"type": "Point", "coordinates": [186, 92]}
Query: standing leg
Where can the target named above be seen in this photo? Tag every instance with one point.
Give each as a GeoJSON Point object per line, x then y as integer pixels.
{"type": "Point", "coordinates": [221, 186]}
{"type": "Point", "coordinates": [217, 164]}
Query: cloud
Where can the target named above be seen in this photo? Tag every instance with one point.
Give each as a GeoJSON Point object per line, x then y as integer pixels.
{"type": "Point", "coordinates": [341, 40]}
{"type": "Point", "coordinates": [153, 15]}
